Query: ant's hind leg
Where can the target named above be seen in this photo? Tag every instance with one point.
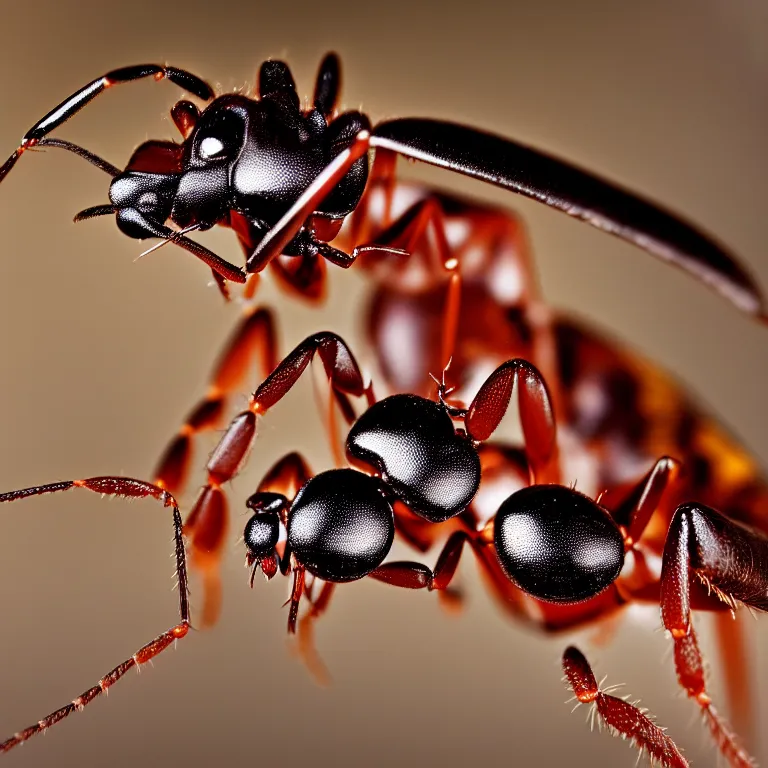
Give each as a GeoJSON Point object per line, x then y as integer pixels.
{"type": "Point", "coordinates": [732, 562]}
{"type": "Point", "coordinates": [622, 717]}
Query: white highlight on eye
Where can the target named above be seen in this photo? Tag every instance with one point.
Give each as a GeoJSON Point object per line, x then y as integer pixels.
{"type": "Point", "coordinates": [211, 146]}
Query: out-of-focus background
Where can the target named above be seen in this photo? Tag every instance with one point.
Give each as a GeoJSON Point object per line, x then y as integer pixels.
{"type": "Point", "coordinates": [100, 358]}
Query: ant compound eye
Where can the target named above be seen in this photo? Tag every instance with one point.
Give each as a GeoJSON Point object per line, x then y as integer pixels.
{"type": "Point", "coordinates": [219, 135]}
{"type": "Point", "coordinates": [557, 544]}
{"type": "Point", "coordinates": [210, 146]}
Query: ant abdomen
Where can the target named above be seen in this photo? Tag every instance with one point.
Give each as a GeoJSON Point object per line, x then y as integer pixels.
{"type": "Point", "coordinates": [557, 544]}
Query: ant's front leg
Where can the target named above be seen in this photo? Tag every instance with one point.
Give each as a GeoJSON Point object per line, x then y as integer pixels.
{"type": "Point", "coordinates": [253, 339]}
{"type": "Point", "coordinates": [207, 522]}
{"type": "Point", "coordinates": [732, 561]}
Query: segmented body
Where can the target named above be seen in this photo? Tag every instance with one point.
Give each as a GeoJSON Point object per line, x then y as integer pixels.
{"type": "Point", "coordinates": [453, 278]}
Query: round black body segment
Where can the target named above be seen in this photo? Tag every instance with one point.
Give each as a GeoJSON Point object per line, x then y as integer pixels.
{"type": "Point", "coordinates": [262, 531]}
{"type": "Point", "coordinates": [557, 544]}
{"type": "Point", "coordinates": [412, 442]}
{"type": "Point", "coordinates": [340, 526]}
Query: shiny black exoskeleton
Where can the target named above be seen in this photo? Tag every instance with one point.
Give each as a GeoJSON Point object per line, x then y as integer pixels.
{"type": "Point", "coordinates": [553, 542]}
{"type": "Point", "coordinates": [413, 444]}
{"type": "Point", "coordinates": [557, 544]}
{"type": "Point", "coordinates": [340, 526]}
{"type": "Point", "coordinates": [251, 156]}
{"type": "Point", "coordinates": [286, 178]}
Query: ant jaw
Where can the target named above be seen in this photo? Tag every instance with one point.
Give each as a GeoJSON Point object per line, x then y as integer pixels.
{"type": "Point", "coordinates": [268, 565]}
{"type": "Point", "coordinates": [94, 211]}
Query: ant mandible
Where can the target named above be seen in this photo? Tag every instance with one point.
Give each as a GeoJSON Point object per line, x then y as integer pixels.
{"type": "Point", "coordinates": [285, 179]}
{"type": "Point", "coordinates": [549, 541]}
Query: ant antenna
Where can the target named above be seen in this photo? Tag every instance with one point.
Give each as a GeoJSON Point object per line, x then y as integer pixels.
{"type": "Point", "coordinates": [170, 239]}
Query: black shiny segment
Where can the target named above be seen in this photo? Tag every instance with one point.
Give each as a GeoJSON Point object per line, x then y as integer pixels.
{"type": "Point", "coordinates": [190, 82]}
{"type": "Point", "coordinates": [557, 544]}
{"type": "Point", "coordinates": [276, 82]}
{"type": "Point", "coordinates": [261, 534]}
{"type": "Point", "coordinates": [132, 222]}
{"type": "Point", "coordinates": [411, 441]}
{"type": "Point", "coordinates": [578, 193]}
{"type": "Point", "coordinates": [340, 526]}
{"type": "Point", "coordinates": [150, 194]}
{"type": "Point", "coordinates": [133, 72]}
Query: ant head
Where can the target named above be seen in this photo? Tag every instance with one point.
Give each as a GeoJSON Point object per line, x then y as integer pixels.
{"type": "Point", "coordinates": [263, 529]}
{"type": "Point", "coordinates": [210, 152]}
{"type": "Point", "coordinates": [143, 194]}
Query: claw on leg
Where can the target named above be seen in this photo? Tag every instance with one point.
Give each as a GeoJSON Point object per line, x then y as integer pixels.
{"type": "Point", "coordinates": [622, 717]}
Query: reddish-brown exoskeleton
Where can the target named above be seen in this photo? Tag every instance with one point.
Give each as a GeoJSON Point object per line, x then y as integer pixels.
{"type": "Point", "coordinates": [614, 409]}
{"type": "Point", "coordinates": [452, 281]}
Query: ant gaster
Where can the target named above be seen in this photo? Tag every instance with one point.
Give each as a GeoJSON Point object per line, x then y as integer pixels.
{"type": "Point", "coordinates": [285, 178]}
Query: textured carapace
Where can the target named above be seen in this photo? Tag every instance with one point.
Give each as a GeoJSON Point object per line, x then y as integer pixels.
{"type": "Point", "coordinates": [285, 178]}
{"type": "Point", "coordinates": [297, 188]}
{"type": "Point", "coordinates": [557, 544]}
{"type": "Point", "coordinates": [412, 442]}
{"type": "Point", "coordinates": [340, 525]}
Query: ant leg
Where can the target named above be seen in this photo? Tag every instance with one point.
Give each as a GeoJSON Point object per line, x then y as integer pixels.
{"type": "Point", "coordinates": [295, 599]}
{"type": "Point", "coordinates": [286, 476]}
{"type": "Point", "coordinates": [207, 522]}
{"type": "Point", "coordinates": [419, 236]}
{"type": "Point", "coordinates": [730, 560]}
{"type": "Point", "coordinates": [124, 487]}
{"type": "Point", "coordinates": [732, 636]}
{"type": "Point", "coordinates": [536, 415]}
{"type": "Point", "coordinates": [79, 99]}
{"type": "Point", "coordinates": [339, 363]}
{"type": "Point", "coordinates": [635, 512]}
{"type": "Point", "coordinates": [254, 338]}
{"type": "Point", "coordinates": [621, 716]}
{"type": "Point", "coordinates": [378, 196]}
{"type": "Point", "coordinates": [564, 187]}
{"type": "Point", "coordinates": [306, 633]}
{"type": "Point", "coordinates": [411, 575]}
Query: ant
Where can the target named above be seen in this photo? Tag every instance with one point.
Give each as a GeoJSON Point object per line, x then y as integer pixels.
{"type": "Point", "coordinates": [546, 540]}
{"type": "Point", "coordinates": [288, 182]}
{"type": "Point", "coordinates": [285, 179]}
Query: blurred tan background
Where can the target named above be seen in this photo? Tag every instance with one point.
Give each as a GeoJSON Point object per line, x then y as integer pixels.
{"type": "Point", "coordinates": [100, 358]}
